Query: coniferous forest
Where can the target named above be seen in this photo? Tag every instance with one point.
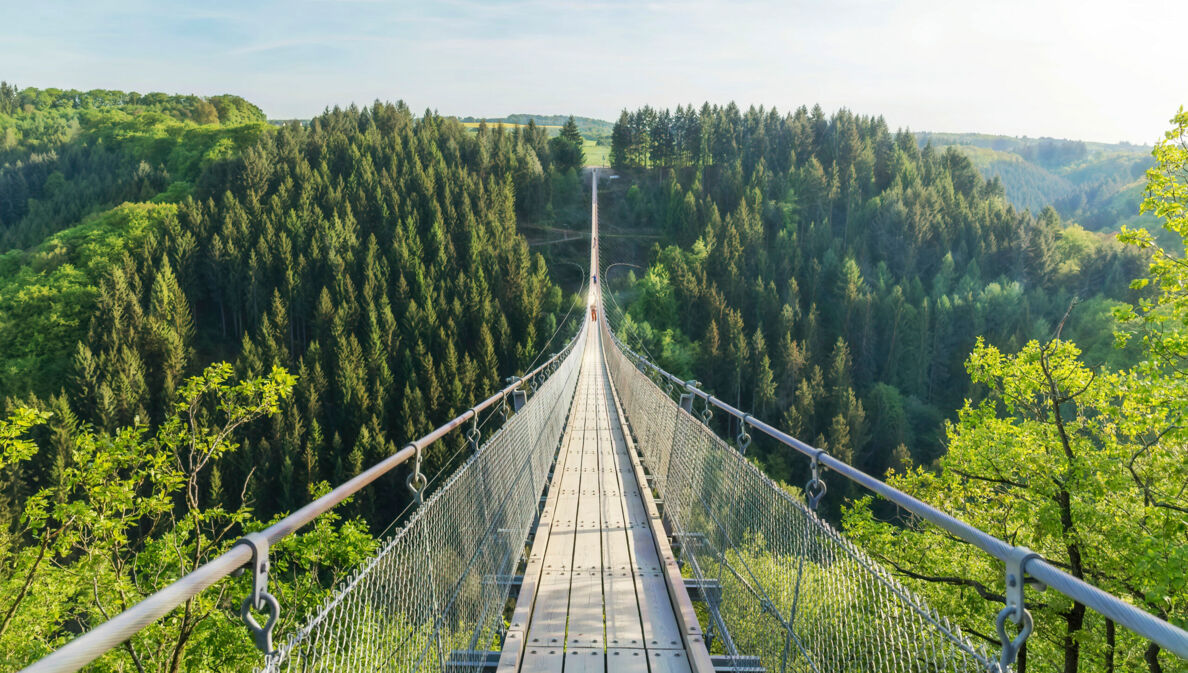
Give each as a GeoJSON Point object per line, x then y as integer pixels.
{"type": "Point", "coordinates": [830, 273]}
{"type": "Point", "coordinates": [361, 274]}
{"type": "Point", "coordinates": [207, 319]}
{"type": "Point", "coordinates": [880, 299]}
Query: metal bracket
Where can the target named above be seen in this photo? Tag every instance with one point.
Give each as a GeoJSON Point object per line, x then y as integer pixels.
{"type": "Point", "coordinates": [513, 583]}
{"type": "Point", "coordinates": [744, 438]}
{"type": "Point", "coordinates": [416, 480]}
{"type": "Point", "coordinates": [1016, 578]}
{"type": "Point", "coordinates": [519, 399]}
{"type": "Point", "coordinates": [738, 663]}
{"type": "Point", "coordinates": [707, 413]}
{"type": "Point", "coordinates": [1015, 610]}
{"type": "Point", "coordinates": [705, 590]}
{"type": "Point", "coordinates": [687, 397]}
{"type": "Point", "coordinates": [474, 434]}
{"type": "Point", "coordinates": [469, 661]}
{"type": "Point", "coordinates": [815, 489]}
{"type": "Point", "coordinates": [259, 599]}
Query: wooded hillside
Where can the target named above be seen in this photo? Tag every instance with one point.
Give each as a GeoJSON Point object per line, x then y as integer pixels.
{"type": "Point", "coordinates": [830, 272]}
{"type": "Point", "coordinates": [362, 275]}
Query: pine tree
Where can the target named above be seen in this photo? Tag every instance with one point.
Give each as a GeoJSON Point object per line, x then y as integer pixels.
{"type": "Point", "coordinates": [620, 152]}
{"type": "Point", "coordinates": [566, 149]}
{"type": "Point", "coordinates": [170, 331]}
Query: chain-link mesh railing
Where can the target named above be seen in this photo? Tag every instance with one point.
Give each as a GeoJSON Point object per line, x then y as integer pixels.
{"type": "Point", "coordinates": [794, 592]}
{"type": "Point", "coordinates": [434, 595]}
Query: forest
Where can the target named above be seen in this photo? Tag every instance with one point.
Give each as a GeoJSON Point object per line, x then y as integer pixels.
{"type": "Point", "coordinates": [883, 301]}
{"type": "Point", "coordinates": [828, 271]}
{"type": "Point", "coordinates": [1100, 186]}
{"type": "Point", "coordinates": [206, 320]}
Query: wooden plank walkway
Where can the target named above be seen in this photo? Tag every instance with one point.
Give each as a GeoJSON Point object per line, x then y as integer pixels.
{"type": "Point", "coordinates": [596, 596]}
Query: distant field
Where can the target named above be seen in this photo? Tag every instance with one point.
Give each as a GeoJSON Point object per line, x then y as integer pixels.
{"type": "Point", "coordinates": [596, 155]}
{"type": "Point", "coordinates": [553, 130]}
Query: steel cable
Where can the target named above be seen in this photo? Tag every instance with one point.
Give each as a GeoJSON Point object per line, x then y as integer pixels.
{"type": "Point", "coordinates": [795, 592]}
{"type": "Point", "coordinates": [434, 593]}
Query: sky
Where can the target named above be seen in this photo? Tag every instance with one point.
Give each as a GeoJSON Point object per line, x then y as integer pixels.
{"type": "Point", "coordinates": [1086, 69]}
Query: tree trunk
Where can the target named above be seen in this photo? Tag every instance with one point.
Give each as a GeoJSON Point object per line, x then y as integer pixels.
{"type": "Point", "coordinates": [1152, 658]}
{"type": "Point", "coordinates": [1075, 619]}
{"type": "Point", "coordinates": [1109, 656]}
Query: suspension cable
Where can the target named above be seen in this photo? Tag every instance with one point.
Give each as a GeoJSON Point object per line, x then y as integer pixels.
{"type": "Point", "coordinates": [623, 313]}
{"type": "Point", "coordinates": [576, 298]}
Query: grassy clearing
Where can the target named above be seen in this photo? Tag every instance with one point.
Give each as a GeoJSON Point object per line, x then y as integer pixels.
{"type": "Point", "coordinates": [596, 155]}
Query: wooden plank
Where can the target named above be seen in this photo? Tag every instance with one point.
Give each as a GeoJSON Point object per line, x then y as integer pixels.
{"type": "Point", "coordinates": [515, 641]}
{"type": "Point", "coordinates": [543, 660]}
{"type": "Point", "coordinates": [655, 610]}
{"type": "Point", "coordinates": [660, 627]}
{"type": "Point", "coordinates": [513, 651]}
{"type": "Point", "coordinates": [585, 660]}
{"type": "Point", "coordinates": [668, 661]}
{"type": "Point", "coordinates": [639, 536]}
{"type": "Point", "coordinates": [616, 551]}
{"type": "Point", "coordinates": [602, 578]}
{"type": "Point", "coordinates": [585, 610]}
{"type": "Point", "coordinates": [626, 660]}
{"type": "Point", "coordinates": [547, 627]}
{"type": "Point", "coordinates": [623, 627]}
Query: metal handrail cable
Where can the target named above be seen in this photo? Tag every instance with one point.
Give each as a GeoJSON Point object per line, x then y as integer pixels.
{"type": "Point", "coordinates": [94, 643]}
{"type": "Point", "coordinates": [1165, 634]}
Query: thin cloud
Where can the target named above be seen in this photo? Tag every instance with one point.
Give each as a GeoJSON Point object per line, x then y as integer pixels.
{"type": "Point", "coordinates": [1036, 67]}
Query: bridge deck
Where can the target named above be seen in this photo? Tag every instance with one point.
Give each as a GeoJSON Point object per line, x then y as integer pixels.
{"type": "Point", "coordinates": [596, 594]}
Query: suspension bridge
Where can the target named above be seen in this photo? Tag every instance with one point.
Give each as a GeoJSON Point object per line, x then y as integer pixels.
{"type": "Point", "coordinates": [606, 527]}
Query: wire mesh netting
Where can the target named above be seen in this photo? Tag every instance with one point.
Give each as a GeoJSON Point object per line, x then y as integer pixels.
{"type": "Point", "coordinates": [433, 597]}
{"type": "Point", "coordinates": [794, 592]}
